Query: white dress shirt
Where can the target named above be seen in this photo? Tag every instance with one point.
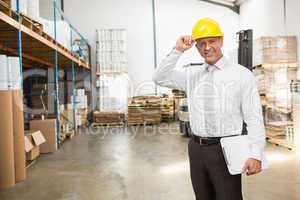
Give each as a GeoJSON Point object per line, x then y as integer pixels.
{"type": "Point", "coordinates": [219, 97]}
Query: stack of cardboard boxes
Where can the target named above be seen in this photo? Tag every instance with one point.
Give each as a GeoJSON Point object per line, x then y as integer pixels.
{"type": "Point", "coordinates": [33, 140]}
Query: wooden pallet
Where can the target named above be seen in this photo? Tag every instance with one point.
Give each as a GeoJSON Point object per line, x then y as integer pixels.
{"type": "Point", "coordinates": [31, 24]}
{"type": "Point", "coordinates": [24, 20]}
{"type": "Point", "coordinates": [281, 142]}
{"type": "Point", "coordinates": [143, 124]}
{"type": "Point", "coordinates": [62, 138]}
{"type": "Point", "coordinates": [108, 125]}
{"type": "Point", "coordinates": [29, 163]}
{"type": "Point", "coordinates": [37, 28]}
{"type": "Point", "coordinates": [70, 134]}
{"type": "Point", "coordinates": [6, 8]}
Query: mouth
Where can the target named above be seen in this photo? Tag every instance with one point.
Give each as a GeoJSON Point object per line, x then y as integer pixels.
{"type": "Point", "coordinates": [209, 55]}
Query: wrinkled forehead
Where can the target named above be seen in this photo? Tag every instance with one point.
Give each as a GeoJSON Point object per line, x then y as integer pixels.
{"type": "Point", "coordinates": [201, 40]}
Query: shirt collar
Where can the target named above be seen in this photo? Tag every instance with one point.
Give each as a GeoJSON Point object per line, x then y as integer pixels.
{"type": "Point", "coordinates": [220, 64]}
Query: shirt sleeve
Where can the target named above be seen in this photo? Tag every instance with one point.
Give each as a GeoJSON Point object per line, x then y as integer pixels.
{"type": "Point", "coordinates": [167, 76]}
{"type": "Point", "coordinates": [252, 115]}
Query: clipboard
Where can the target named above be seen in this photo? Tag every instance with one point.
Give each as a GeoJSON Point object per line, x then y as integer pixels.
{"type": "Point", "coordinates": [237, 151]}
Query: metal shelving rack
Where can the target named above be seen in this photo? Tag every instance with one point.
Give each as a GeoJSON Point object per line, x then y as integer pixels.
{"type": "Point", "coordinates": [23, 37]}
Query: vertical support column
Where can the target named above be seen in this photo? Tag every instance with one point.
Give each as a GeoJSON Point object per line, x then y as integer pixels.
{"type": "Point", "coordinates": [56, 106]}
{"type": "Point", "coordinates": [20, 43]}
{"type": "Point", "coordinates": [73, 86]}
{"type": "Point", "coordinates": [154, 37]}
{"type": "Point", "coordinates": [51, 97]}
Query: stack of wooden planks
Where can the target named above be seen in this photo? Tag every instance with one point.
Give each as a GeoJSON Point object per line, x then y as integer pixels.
{"type": "Point", "coordinates": [144, 110]}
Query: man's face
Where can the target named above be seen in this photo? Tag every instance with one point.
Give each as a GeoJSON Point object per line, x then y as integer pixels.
{"type": "Point", "coordinates": [210, 49]}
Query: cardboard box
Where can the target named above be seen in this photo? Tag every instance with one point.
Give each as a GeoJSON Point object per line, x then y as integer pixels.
{"type": "Point", "coordinates": [33, 140]}
{"type": "Point", "coordinates": [48, 128]}
{"type": "Point", "coordinates": [7, 164]}
{"type": "Point", "coordinates": [280, 49]}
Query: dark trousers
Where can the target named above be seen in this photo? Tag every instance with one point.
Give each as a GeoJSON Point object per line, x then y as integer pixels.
{"type": "Point", "coordinates": [209, 174]}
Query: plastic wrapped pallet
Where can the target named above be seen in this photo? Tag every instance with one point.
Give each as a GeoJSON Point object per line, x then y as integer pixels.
{"type": "Point", "coordinates": [296, 116]}
{"type": "Point", "coordinates": [48, 26]}
{"type": "Point", "coordinates": [281, 49]}
{"type": "Point", "coordinates": [63, 31]}
{"type": "Point", "coordinates": [14, 73]}
{"type": "Point", "coordinates": [295, 89]}
{"type": "Point", "coordinates": [23, 5]}
{"type": "Point", "coordinates": [4, 79]}
{"type": "Point", "coordinates": [63, 34]}
{"type": "Point", "coordinates": [33, 9]}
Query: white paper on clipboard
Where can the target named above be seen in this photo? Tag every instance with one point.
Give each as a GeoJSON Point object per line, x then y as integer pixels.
{"type": "Point", "coordinates": [237, 151]}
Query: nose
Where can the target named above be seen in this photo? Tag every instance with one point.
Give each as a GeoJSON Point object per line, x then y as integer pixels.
{"type": "Point", "coordinates": [207, 47]}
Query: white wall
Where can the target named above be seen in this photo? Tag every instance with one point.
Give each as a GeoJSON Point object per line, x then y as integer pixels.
{"type": "Point", "coordinates": [174, 18]}
{"type": "Point", "coordinates": [292, 21]}
{"type": "Point", "coordinates": [177, 17]}
{"type": "Point", "coordinates": [266, 18]}
{"type": "Point", "coordinates": [134, 15]}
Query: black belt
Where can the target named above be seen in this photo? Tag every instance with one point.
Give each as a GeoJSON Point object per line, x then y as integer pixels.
{"type": "Point", "coordinates": [206, 140]}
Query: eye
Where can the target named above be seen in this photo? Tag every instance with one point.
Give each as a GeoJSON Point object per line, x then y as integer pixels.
{"type": "Point", "coordinates": [200, 44]}
{"type": "Point", "coordinates": [212, 41]}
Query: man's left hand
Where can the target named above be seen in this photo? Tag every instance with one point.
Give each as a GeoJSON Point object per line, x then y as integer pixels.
{"type": "Point", "coordinates": [252, 166]}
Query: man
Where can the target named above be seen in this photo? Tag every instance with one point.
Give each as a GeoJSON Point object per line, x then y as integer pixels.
{"type": "Point", "coordinates": [221, 95]}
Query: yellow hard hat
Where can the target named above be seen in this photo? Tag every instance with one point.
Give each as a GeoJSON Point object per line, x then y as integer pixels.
{"type": "Point", "coordinates": [206, 27]}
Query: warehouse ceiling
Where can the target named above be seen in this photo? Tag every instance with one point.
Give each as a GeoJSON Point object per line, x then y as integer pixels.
{"type": "Point", "coordinates": [231, 4]}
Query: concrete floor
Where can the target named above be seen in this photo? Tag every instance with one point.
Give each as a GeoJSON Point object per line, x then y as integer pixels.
{"type": "Point", "coordinates": [139, 163]}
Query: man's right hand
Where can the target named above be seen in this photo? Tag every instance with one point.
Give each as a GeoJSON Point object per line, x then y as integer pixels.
{"type": "Point", "coordinates": [184, 43]}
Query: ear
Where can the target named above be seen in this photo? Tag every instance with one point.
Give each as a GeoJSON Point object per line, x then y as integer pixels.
{"type": "Point", "coordinates": [221, 41]}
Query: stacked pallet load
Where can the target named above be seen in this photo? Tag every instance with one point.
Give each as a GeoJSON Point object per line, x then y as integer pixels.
{"type": "Point", "coordinates": [67, 127]}
{"type": "Point", "coordinates": [38, 99]}
{"type": "Point", "coordinates": [177, 96]}
{"type": "Point", "coordinates": [167, 109]}
{"type": "Point", "coordinates": [108, 119]}
{"type": "Point", "coordinates": [275, 60]}
{"type": "Point", "coordinates": [144, 110]}
{"type": "Point", "coordinates": [81, 106]}
{"type": "Point", "coordinates": [183, 115]}
{"type": "Point", "coordinates": [295, 89]}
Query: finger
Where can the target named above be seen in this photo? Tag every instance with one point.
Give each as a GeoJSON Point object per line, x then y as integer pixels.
{"type": "Point", "coordinates": [256, 169]}
{"type": "Point", "coordinates": [187, 40]}
{"type": "Point", "coordinates": [190, 40]}
{"type": "Point", "coordinates": [251, 171]}
{"type": "Point", "coordinates": [246, 167]}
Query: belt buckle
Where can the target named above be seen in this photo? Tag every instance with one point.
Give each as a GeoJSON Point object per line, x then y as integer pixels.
{"type": "Point", "coordinates": [200, 142]}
